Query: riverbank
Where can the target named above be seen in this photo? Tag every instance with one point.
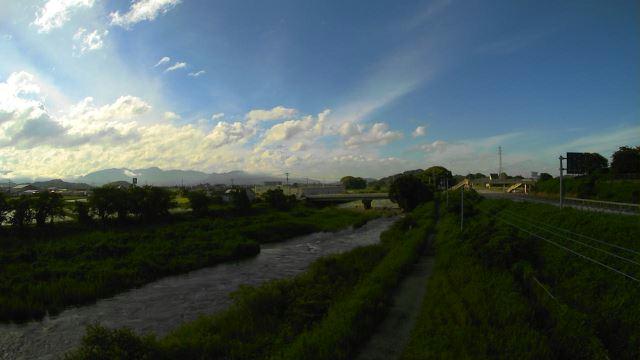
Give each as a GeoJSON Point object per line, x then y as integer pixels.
{"type": "Point", "coordinates": [43, 275]}
{"type": "Point", "coordinates": [326, 312]}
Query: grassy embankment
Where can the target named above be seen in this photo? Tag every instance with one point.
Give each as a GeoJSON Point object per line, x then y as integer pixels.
{"type": "Point", "coordinates": [46, 270]}
{"type": "Point", "coordinates": [498, 291]}
{"type": "Point", "coordinates": [324, 313]}
{"type": "Point", "coordinates": [596, 188]}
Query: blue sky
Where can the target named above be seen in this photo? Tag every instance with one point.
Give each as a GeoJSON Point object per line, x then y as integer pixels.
{"type": "Point", "coordinates": [314, 88]}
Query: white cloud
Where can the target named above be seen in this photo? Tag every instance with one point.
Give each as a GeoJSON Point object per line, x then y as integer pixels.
{"type": "Point", "coordinates": [164, 60]}
{"type": "Point", "coordinates": [142, 10]}
{"type": "Point", "coordinates": [55, 13]}
{"type": "Point", "coordinates": [124, 108]}
{"type": "Point", "coordinates": [225, 133]}
{"type": "Point", "coordinates": [419, 131]}
{"type": "Point", "coordinates": [299, 146]}
{"type": "Point", "coordinates": [356, 135]}
{"type": "Point", "coordinates": [88, 41]}
{"type": "Point", "coordinates": [197, 73]}
{"type": "Point", "coordinates": [176, 66]}
{"type": "Point", "coordinates": [171, 116]}
{"type": "Point", "coordinates": [26, 123]}
{"type": "Point", "coordinates": [287, 130]}
{"type": "Point", "coordinates": [217, 116]}
{"type": "Point", "coordinates": [276, 113]}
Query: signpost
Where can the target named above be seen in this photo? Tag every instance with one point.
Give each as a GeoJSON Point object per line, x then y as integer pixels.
{"type": "Point", "coordinates": [577, 164]}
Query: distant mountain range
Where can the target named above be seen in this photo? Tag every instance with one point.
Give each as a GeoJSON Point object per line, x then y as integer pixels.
{"type": "Point", "coordinates": [157, 176]}
{"type": "Point", "coordinates": [152, 176]}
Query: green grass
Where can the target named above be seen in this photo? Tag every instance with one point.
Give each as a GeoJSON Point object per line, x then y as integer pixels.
{"type": "Point", "coordinates": [47, 271]}
{"type": "Point", "coordinates": [281, 318]}
{"type": "Point", "coordinates": [596, 188]}
{"type": "Point", "coordinates": [498, 291]}
{"type": "Point", "coordinates": [470, 311]}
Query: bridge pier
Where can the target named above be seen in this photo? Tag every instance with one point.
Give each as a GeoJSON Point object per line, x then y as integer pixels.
{"type": "Point", "coordinates": [366, 203]}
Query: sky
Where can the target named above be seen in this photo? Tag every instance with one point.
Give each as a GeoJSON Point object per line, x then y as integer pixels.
{"type": "Point", "coordinates": [318, 89]}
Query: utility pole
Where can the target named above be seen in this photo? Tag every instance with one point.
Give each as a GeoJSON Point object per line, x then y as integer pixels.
{"type": "Point", "coordinates": [561, 170]}
{"type": "Point", "coordinates": [447, 191]}
{"type": "Point", "coordinates": [288, 189]}
{"type": "Point", "coordinates": [499, 161]}
{"type": "Point", "coordinates": [461, 207]}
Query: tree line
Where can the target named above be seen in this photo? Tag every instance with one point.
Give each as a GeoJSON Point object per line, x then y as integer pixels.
{"type": "Point", "coordinates": [147, 203]}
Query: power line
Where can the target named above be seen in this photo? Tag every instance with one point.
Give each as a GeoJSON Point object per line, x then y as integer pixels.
{"type": "Point", "coordinates": [581, 243]}
{"type": "Point", "coordinates": [573, 233]}
{"type": "Point", "coordinates": [571, 251]}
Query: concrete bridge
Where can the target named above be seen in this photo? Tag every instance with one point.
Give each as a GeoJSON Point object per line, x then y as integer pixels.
{"type": "Point", "coordinates": [342, 198]}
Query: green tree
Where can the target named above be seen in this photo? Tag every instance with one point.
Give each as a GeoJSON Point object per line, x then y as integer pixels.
{"type": "Point", "coordinates": [47, 205]}
{"type": "Point", "coordinates": [22, 211]}
{"type": "Point", "coordinates": [147, 202]}
{"type": "Point", "coordinates": [82, 212]}
{"type": "Point", "coordinates": [435, 175]}
{"type": "Point", "coordinates": [409, 191]}
{"type": "Point", "coordinates": [626, 160]}
{"type": "Point", "coordinates": [278, 200]}
{"type": "Point", "coordinates": [595, 162]}
{"type": "Point", "coordinates": [101, 202]}
{"type": "Point", "coordinates": [240, 200]}
{"type": "Point", "coordinates": [5, 208]}
{"type": "Point", "coordinates": [199, 202]}
{"type": "Point", "coordinates": [545, 177]}
{"type": "Point", "coordinates": [351, 182]}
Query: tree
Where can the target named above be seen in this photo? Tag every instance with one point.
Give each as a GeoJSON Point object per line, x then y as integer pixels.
{"type": "Point", "coordinates": [545, 177]}
{"type": "Point", "coordinates": [22, 211]}
{"type": "Point", "coordinates": [240, 200]}
{"type": "Point", "coordinates": [155, 204]}
{"type": "Point", "coordinates": [435, 175]}
{"type": "Point", "coordinates": [351, 182]}
{"type": "Point", "coordinates": [595, 162]}
{"type": "Point", "coordinates": [409, 191]}
{"type": "Point", "coordinates": [101, 202]}
{"type": "Point", "coordinates": [82, 212]}
{"type": "Point", "coordinates": [278, 200]}
{"type": "Point", "coordinates": [47, 205]}
{"type": "Point", "coordinates": [626, 160]}
{"type": "Point", "coordinates": [5, 208]}
{"type": "Point", "coordinates": [199, 202]}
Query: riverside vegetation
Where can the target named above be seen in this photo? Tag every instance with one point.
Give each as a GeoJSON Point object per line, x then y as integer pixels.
{"type": "Point", "coordinates": [324, 313]}
{"type": "Point", "coordinates": [497, 291]}
{"type": "Point", "coordinates": [47, 268]}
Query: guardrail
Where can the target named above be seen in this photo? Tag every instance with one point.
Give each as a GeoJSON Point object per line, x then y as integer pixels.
{"type": "Point", "coordinates": [604, 205]}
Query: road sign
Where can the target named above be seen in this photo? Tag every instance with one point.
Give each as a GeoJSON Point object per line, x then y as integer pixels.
{"type": "Point", "coordinates": [577, 163]}
{"type": "Point", "coordinates": [135, 181]}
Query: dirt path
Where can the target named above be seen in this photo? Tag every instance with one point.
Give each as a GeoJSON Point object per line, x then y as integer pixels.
{"type": "Point", "coordinates": [393, 333]}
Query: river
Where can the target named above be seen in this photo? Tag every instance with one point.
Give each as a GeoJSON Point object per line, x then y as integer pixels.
{"type": "Point", "coordinates": [162, 305]}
